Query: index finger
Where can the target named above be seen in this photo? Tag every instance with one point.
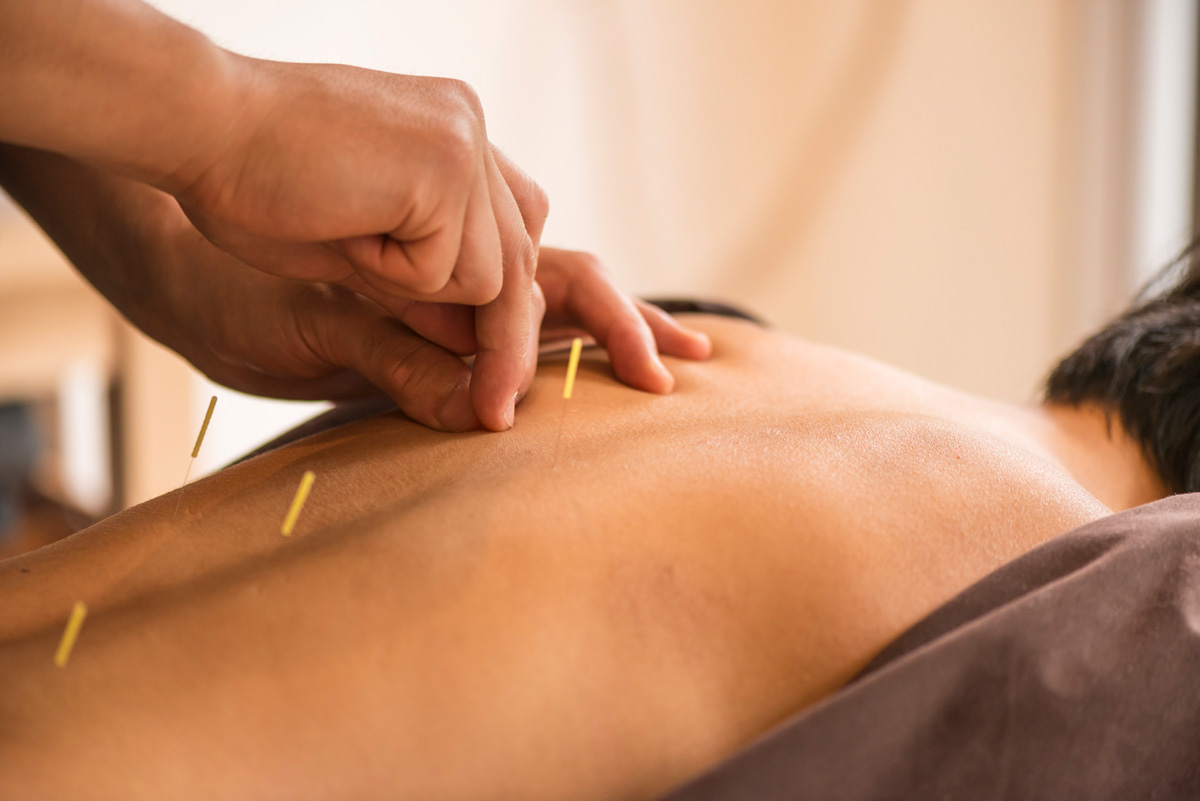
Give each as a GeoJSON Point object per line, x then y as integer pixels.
{"type": "Point", "coordinates": [505, 329]}
{"type": "Point", "coordinates": [531, 199]}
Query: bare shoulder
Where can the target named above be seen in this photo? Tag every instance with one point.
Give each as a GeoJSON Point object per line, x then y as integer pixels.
{"type": "Point", "coordinates": [929, 506]}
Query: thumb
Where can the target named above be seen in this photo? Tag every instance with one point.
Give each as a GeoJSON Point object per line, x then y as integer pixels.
{"type": "Point", "coordinates": [428, 383]}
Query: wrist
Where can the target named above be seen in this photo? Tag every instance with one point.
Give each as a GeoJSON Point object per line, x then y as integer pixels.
{"type": "Point", "coordinates": [203, 97]}
{"type": "Point", "coordinates": [131, 259]}
{"type": "Point", "coordinates": [217, 106]}
{"type": "Point", "coordinates": [239, 93]}
{"type": "Point", "coordinates": [117, 85]}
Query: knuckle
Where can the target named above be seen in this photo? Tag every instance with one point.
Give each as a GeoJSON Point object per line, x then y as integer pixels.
{"type": "Point", "coordinates": [408, 372]}
{"type": "Point", "coordinates": [525, 255]}
{"type": "Point", "coordinates": [466, 96]}
{"type": "Point", "coordinates": [428, 281]}
{"type": "Point", "coordinates": [460, 146]}
{"type": "Point", "coordinates": [480, 290]}
{"type": "Point", "coordinates": [415, 280]}
{"type": "Point", "coordinates": [488, 287]}
{"type": "Point", "coordinates": [461, 135]}
{"type": "Point", "coordinates": [538, 201]}
{"type": "Point", "coordinates": [378, 345]}
{"type": "Point", "coordinates": [587, 262]}
{"type": "Point", "coordinates": [319, 339]}
{"type": "Point", "coordinates": [538, 302]}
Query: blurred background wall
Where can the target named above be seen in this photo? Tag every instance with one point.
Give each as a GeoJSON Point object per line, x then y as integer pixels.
{"type": "Point", "coordinates": [959, 187]}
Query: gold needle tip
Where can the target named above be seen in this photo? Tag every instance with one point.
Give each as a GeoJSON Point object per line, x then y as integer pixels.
{"type": "Point", "coordinates": [204, 426]}
{"type": "Point", "coordinates": [74, 623]}
{"type": "Point", "coordinates": [306, 483]}
{"type": "Point", "coordinates": [572, 366]}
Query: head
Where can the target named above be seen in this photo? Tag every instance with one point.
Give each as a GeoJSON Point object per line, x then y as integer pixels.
{"type": "Point", "coordinates": [1144, 367]}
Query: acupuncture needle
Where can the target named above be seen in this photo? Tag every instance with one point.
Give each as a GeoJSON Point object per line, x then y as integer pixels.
{"type": "Point", "coordinates": [289, 522]}
{"type": "Point", "coordinates": [195, 452]}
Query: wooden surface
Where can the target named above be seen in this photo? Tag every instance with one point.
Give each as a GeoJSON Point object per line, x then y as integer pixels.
{"type": "Point", "coordinates": [52, 321]}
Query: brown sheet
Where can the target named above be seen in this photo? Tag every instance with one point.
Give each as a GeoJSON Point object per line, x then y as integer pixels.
{"type": "Point", "coordinates": [1073, 672]}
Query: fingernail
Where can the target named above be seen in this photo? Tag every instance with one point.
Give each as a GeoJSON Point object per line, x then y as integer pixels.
{"type": "Point", "coordinates": [665, 374]}
{"type": "Point", "coordinates": [510, 411]}
{"type": "Point", "coordinates": [659, 367]}
{"type": "Point", "coordinates": [457, 413]}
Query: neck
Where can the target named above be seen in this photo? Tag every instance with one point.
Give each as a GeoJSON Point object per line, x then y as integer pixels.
{"type": "Point", "coordinates": [1098, 453]}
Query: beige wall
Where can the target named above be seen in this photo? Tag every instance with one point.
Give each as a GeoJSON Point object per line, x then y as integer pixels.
{"type": "Point", "coordinates": [896, 177]}
{"type": "Point", "coordinates": [939, 183]}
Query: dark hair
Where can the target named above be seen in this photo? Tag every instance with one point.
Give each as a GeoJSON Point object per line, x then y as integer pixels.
{"type": "Point", "coordinates": [1144, 366]}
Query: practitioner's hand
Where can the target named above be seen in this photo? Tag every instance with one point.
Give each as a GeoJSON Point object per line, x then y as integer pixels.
{"type": "Point", "coordinates": [331, 172]}
{"type": "Point", "coordinates": [243, 328]}
{"type": "Point", "coordinates": [582, 299]}
{"type": "Point", "coordinates": [302, 340]}
{"type": "Point", "coordinates": [294, 339]}
{"type": "Point", "coordinates": [579, 298]}
{"type": "Point", "coordinates": [316, 171]}
{"type": "Point", "coordinates": [387, 185]}
{"type": "Point", "coordinates": [383, 183]}
{"type": "Point", "coordinates": [323, 172]}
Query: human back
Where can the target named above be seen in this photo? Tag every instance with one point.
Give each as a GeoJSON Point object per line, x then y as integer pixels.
{"type": "Point", "coordinates": [597, 604]}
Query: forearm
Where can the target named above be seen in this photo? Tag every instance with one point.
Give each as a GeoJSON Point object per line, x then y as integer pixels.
{"type": "Point", "coordinates": [241, 327]}
{"type": "Point", "coordinates": [115, 231]}
{"type": "Point", "coordinates": [116, 84]}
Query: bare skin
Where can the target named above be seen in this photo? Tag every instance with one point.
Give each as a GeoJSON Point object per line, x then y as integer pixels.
{"type": "Point", "coordinates": [598, 604]}
{"type": "Point", "coordinates": [384, 185]}
{"type": "Point", "coordinates": [288, 338]}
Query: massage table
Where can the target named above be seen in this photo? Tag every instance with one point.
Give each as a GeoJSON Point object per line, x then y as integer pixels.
{"type": "Point", "coordinates": [1072, 672]}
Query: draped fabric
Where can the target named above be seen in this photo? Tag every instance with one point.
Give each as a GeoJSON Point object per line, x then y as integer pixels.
{"type": "Point", "coordinates": [1071, 672]}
